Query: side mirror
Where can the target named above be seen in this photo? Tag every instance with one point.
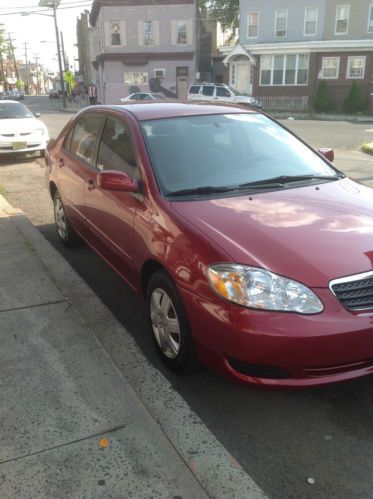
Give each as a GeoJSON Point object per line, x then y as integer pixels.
{"type": "Point", "coordinates": [111, 180]}
{"type": "Point", "coordinates": [327, 152]}
{"type": "Point", "coordinates": [37, 115]}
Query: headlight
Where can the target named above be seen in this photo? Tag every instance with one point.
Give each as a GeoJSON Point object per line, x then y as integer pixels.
{"type": "Point", "coordinates": [39, 131]}
{"type": "Point", "coordinates": [258, 288]}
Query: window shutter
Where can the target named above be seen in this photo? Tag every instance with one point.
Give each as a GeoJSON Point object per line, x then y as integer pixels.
{"type": "Point", "coordinates": [156, 32]}
{"type": "Point", "coordinates": [107, 34]}
{"type": "Point", "coordinates": [173, 32]}
{"type": "Point", "coordinates": [189, 32]}
{"type": "Point", "coordinates": [140, 32]}
{"type": "Point", "coordinates": [123, 33]}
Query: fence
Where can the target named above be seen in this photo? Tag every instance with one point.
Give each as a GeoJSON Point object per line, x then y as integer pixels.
{"type": "Point", "coordinates": [284, 103]}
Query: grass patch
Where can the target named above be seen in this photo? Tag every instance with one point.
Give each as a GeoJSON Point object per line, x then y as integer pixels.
{"type": "Point", "coordinates": [2, 190]}
{"type": "Point", "coordinates": [367, 147]}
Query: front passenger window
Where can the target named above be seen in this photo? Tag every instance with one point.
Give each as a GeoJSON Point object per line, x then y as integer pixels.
{"type": "Point", "coordinates": [115, 150]}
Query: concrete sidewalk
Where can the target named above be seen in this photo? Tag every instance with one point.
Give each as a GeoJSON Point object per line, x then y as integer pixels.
{"type": "Point", "coordinates": [72, 424]}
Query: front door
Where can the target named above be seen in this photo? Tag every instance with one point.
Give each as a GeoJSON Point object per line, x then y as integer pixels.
{"type": "Point", "coordinates": [241, 76]}
{"type": "Point", "coordinates": [110, 214]}
{"type": "Point", "coordinates": [182, 82]}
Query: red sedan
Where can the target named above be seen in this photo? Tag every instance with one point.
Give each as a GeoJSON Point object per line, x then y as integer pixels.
{"type": "Point", "coordinates": [254, 253]}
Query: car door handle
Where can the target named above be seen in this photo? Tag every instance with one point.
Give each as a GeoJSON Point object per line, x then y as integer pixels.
{"type": "Point", "coordinates": [91, 184]}
{"type": "Point", "coordinates": [61, 163]}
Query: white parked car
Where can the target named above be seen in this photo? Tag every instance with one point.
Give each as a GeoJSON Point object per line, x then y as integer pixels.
{"type": "Point", "coordinates": [142, 96]}
{"type": "Point", "coordinates": [219, 92]}
{"type": "Point", "coordinates": [20, 130]}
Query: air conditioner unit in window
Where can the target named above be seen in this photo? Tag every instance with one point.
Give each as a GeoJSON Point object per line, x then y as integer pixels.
{"type": "Point", "coordinates": [159, 73]}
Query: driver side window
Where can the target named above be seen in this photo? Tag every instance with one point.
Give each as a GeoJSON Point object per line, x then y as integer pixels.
{"type": "Point", "coordinates": [115, 149]}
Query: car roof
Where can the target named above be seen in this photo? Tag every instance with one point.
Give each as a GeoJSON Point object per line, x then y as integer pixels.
{"type": "Point", "coordinates": [158, 110]}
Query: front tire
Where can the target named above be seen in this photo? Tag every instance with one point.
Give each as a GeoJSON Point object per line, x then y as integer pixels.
{"type": "Point", "coordinates": [169, 324]}
{"type": "Point", "coordinates": [66, 233]}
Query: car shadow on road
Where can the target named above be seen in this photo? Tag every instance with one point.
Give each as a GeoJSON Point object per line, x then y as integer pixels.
{"type": "Point", "coordinates": [10, 159]}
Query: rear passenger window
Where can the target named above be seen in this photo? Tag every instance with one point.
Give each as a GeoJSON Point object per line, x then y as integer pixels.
{"type": "Point", "coordinates": [194, 89]}
{"type": "Point", "coordinates": [84, 137]}
{"type": "Point", "coordinates": [208, 91]}
{"type": "Point", "coordinates": [115, 151]}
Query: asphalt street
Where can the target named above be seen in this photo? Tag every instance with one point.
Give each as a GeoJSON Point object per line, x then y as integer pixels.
{"type": "Point", "coordinates": [315, 443]}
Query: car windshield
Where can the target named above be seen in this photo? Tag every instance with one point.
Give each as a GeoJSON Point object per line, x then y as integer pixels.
{"type": "Point", "coordinates": [221, 153]}
{"type": "Point", "coordinates": [12, 110]}
{"type": "Point", "coordinates": [158, 96]}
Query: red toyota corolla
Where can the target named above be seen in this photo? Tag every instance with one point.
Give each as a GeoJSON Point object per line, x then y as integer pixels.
{"type": "Point", "coordinates": [254, 253]}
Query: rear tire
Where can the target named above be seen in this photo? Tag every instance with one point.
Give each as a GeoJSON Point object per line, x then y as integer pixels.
{"type": "Point", "coordinates": [66, 233]}
{"type": "Point", "coordinates": [169, 325]}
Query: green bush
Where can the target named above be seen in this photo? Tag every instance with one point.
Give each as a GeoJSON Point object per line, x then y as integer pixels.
{"type": "Point", "coordinates": [354, 101]}
{"type": "Point", "coordinates": [322, 101]}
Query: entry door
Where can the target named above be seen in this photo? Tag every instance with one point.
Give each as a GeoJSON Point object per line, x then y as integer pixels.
{"type": "Point", "coordinates": [243, 77]}
{"type": "Point", "coordinates": [182, 73]}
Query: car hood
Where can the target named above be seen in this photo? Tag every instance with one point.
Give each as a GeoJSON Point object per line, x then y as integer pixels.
{"type": "Point", "coordinates": [312, 234]}
{"type": "Point", "coordinates": [20, 125]}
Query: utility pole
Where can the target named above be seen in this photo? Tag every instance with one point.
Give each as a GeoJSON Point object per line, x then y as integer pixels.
{"type": "Point", "coordinates": [62, 83]}
{"type": "Point", "coordinates": [63, 53]}
{"type": "Point", "coordinates": [53, 4]}
{"type": "Point", "coordinates": [27, 77]}
{"type": "Point", "coordinates": [37, 74]}
{"type": "Point", "coordinates": [1, 56]}
{"type": "Point", "coordinates": [12, 51]}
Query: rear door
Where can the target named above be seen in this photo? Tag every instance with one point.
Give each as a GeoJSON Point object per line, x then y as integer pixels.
{"type": "Point", "coordinates": [74, 161]}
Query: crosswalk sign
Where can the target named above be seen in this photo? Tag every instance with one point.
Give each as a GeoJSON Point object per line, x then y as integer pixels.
{"type": "Point", "coordinates": [69, 76]}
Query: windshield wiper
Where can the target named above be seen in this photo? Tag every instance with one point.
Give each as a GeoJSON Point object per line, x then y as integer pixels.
{"type": "Point", "coordinates": [207, 189]}
{"type": "Point", "coordinates": [281, 180]}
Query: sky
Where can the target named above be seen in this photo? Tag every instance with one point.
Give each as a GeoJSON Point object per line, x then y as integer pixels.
{"type": "Point", "coordinates": [35, 28]}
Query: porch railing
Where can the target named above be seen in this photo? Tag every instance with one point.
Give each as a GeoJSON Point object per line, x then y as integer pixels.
{"type": "Point", "coordinates": [285, 103]}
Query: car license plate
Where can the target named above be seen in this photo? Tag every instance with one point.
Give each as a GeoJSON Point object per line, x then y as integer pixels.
{"type": "Point", "coordinates": [19, 145]}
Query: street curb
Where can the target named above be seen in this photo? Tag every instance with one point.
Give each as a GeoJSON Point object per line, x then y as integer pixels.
{"type": "Point", "coordinates": [213, 466]}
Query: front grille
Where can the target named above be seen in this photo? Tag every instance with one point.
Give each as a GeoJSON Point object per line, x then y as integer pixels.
{"type": "Point", "coordinates": [354, 292]}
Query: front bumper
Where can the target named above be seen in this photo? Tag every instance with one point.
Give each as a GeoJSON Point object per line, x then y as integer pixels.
{"type": "Point", "coordinates": [19, 146]}
{"type": "Point", "coordinates": [277, 349]}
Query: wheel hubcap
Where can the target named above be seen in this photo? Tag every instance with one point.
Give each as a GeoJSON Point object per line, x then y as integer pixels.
{"type": "Point", "coordinates": [165, 323]}
{"type": "Point", "coordinates": [60, 218]}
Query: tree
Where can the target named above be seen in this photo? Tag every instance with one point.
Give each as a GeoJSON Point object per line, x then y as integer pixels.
{"type": "Point", "coordinates": [354, 101]}
{"type": "Point", "coordinates": [322, 100]}
{"type": "Point", "coordinates": [225, 11]}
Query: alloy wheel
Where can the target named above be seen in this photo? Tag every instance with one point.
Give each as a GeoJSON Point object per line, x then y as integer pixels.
{"type": "Point", "coordinates": [165, 323]}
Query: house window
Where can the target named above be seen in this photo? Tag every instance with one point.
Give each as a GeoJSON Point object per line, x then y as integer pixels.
{"type": "Point", "coordinates": [281, 21]}
{"type": "Point", "coordinates": [136, 78]}
{"type": "Point", "coordinates": [370, 19]}
{"type": "Point", "coordinates": [310, 21]}
{"type": "Point", "coordinates": [159, 73]}
{"type": "Point", "coordinates": [356, 67]}
{"type": "Point", "coordinates": [342, 19]}
{"type": "Point", "coordinates": [148, 33]}
{"type": "Point", "coordinates": [252, 24]}
{"type": "Point", "coordinates": [330, 68]}
{"type": "Point", "coordinates": [283, 70]}
{"type": "Point", "coordinates": [181, 33]}
{"type": "Point", "coordinates": [115, 33]}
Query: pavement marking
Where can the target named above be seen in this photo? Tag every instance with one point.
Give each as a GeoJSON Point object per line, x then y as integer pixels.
{"type": "Point", "coordinates": [370, 130]}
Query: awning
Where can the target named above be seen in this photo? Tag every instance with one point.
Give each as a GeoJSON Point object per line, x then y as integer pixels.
{"type": "Point", "coordinates": [239, 52]}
